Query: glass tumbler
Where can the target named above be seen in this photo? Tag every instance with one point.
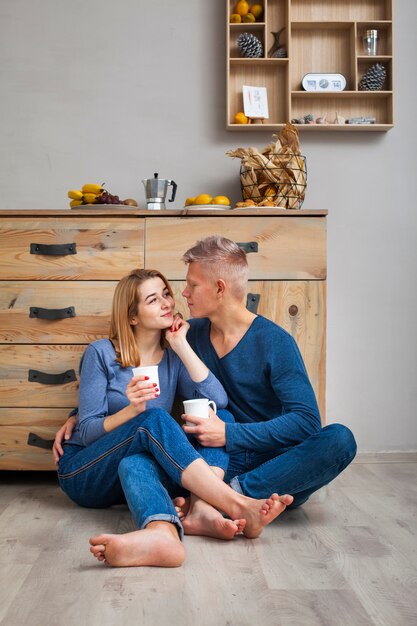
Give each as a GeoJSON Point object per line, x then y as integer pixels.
{"type": "Point", "coordinates": [370, 39]}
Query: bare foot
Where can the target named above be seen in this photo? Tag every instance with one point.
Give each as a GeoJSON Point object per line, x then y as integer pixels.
{"type": "Point", "coordinates": [204, 520]}
{"type": "Point", "coordinates": [182, 506]}
{"type": "Point", "coordinates": [260, 513]}
{"type": "Point", "coordinates": [151, 546]}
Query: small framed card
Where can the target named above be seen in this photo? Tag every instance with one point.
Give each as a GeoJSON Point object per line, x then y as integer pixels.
{"type": "Point", "coordinates": [255, 102]}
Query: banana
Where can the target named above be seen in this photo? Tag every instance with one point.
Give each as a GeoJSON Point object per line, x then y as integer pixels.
{"type": "Point", "coordinates": [90, 188]}
{"type": "Point", "coordinates": [90, 198]}
{"type": "Point", "coordinates": [75, 194]}
{"type": "Point", "coordinates": [75, 203]}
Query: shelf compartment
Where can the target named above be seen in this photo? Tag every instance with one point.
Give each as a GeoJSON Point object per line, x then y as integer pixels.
{"type": "Point", "coordinates": [376, 104]}
{"type": "Point", "coordinates": [322, 48]}
{"type": "Point", "coordinates": [330, 10]}
{"type": "Point", "coordinates": [269, 74]}
{"type": "Point", "coordinates": [277, 18]}
{"type": "Point", "coordinates": [364, 63]}
{"type": "Point", "coordinates": [233, 37]}
{"type": "Point", "coordinates": [384, 45]}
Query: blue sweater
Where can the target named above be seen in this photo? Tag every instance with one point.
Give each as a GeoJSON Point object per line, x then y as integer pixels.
{"type": "Point", "coordinates": [265, 379]}
{"type": "Point", "coordinates": [103, 383]}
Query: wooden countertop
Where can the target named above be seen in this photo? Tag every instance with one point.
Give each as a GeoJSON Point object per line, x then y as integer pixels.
{"type": "Point", "coordinates": [109, 211]}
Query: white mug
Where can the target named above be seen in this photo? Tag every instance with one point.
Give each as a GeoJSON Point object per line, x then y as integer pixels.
{"type": "Point", "coordinates": [199, 407]}
{"type": "Point", "coordinates": [148, 370]}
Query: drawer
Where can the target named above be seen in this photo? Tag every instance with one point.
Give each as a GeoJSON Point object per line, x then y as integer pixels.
{"type": "Point", "coordinates": [16, 390]}
{"type": "Point", "coordinates": [104, 249]}
{"type": "Point", "coordinates": [15, 426]}
{"type": "Point", "coordinates": [292, 248]}
{"type": "Point", "coordinates": [87, 303]}
{"type": "Point", "coordinates": [297, 306]}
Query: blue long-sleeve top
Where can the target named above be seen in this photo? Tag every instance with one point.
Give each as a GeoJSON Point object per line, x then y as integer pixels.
{"type": "Point", "coordinates": [103, 383]}
{"type": "Point", "coordinates": [267, 384]}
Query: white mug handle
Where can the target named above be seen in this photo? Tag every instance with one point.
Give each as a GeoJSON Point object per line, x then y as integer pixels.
{"type": "Point", "coordinates": [213, 405]}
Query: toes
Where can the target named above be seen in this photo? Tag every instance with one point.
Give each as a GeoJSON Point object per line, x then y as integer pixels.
{"type": "Point", "coordinates": [97, 550]}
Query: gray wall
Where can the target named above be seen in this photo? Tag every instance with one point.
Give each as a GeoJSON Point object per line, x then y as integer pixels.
{"type": "Point", "coordinates": [94, 92]}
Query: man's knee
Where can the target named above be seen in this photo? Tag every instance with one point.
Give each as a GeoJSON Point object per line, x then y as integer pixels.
{"type": "Point", "coordinates": [342, 440]}
{"type": "Point", "coordinates": [225, 416]}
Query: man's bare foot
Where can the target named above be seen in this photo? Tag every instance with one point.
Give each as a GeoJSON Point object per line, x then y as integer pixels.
{"type": "Point", "coordinates": [200, 518]}
{"type": "Point", "coordinates": [155, 545]}
{"type": "Point", "coordinates": [260, 513]}
{"type": "Point", "coordinates": [182, 506]}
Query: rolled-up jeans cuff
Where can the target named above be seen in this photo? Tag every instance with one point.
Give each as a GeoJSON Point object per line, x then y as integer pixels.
{"type": "Point", "coordinates": [164, 517]}
{"type": "Point", "coordinates": [235, 485]}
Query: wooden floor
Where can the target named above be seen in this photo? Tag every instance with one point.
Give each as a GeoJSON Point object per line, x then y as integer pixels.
{"type": "Point", "coordinates": [347, 557]}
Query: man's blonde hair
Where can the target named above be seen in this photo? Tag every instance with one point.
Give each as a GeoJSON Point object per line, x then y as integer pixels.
{"type": "Point", "coordinates": [124, 308]}
{"type": "Point", "coordinates": [221, 258]}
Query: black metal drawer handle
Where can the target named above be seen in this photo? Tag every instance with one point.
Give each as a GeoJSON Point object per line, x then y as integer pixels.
{"type": "Point", "coordinates": [252, 302]}
{"type": "Point", "coordinates": [40, 442]}
{"type": "Point", "coordinates": [34, 376]}
{"type": "Point", "coordinates": [54, 249]}
{"type": "Point", "coordinates": [248, 246]}
{"type": "Point", "coordinates": [51, 314]}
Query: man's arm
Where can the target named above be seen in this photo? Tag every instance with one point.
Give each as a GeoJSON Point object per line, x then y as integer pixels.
{"type": "Point", "coordinates": [288, 382]}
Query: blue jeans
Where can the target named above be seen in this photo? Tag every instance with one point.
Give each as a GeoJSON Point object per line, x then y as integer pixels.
{"type": "Point", "coordinates": [299, 470]}
{"type": "Point", "coordinates": [140, 462]}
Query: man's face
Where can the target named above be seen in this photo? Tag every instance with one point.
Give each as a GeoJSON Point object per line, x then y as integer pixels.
{"type": "Point", "coordinates": [200, 292]}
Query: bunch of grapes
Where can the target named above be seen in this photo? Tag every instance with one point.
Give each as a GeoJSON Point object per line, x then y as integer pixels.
{"type": "Point", "coordinates": [108, 198]}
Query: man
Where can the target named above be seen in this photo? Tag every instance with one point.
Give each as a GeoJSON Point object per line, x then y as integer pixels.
{"type": "Point", "coordinates": [277, 442]}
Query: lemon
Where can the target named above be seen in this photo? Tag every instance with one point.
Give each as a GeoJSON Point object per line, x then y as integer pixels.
{"type": "Point", "coordinates": [240, 118]}
{"type": "Point", "coordinates": [221, 200]}
{"type": "Point", "coordinates": [189, 201]}
{"type": "Point", "coordinates": [257, 10]}
{"type": "Point", "coordinates": [203, 198]}
{"type": "Point", "coordinates": [242, 7]}
{"type": "Point", "coordinates": [235, 18]}
{"type": "Point", "coordinates": [249, 17]}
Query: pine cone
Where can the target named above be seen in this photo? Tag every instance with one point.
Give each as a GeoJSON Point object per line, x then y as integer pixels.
{"type": "Point", "coordinates": [374, 78]}
{"type": "Point", "coordinates": [249, 46]}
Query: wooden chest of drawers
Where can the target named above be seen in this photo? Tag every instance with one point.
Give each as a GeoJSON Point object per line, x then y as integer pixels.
{"type": "Point", "coordinates": [58, 270]}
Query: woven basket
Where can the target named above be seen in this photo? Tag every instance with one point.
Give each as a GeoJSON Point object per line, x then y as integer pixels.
{"type": "Point", "coordinates": [282, 180]}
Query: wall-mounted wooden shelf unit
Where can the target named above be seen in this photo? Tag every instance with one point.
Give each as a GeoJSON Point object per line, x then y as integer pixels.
{"type": "Point", "coordinates": [323, 36]}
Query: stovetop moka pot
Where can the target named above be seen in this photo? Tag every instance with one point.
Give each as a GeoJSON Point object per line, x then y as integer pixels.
{"type": "Point", "coordinates": [156, 190]}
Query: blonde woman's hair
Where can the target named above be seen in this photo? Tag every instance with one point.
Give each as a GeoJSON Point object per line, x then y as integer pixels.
{"type": "Point", "coordinates": [124, 308]}
{"type": "Point", "coordinates": [221, 258]}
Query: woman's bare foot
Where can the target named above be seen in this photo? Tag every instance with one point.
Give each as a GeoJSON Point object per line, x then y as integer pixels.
{"type": "Point", "coordinates": [158, 544]}
{"type": "Point", "coordinates": [200, 518]}
{"type": "Point", "coordinates": [260, 513]}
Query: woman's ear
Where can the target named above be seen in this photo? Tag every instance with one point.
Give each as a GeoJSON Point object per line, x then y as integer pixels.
{"type": "Point", "coordinates": [133, 321]}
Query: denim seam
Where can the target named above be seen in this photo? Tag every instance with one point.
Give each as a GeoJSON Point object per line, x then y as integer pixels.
{"type": "Point", "coordinates": [97, 460]}
{"type": "Point", "coordinates": [162, 449]}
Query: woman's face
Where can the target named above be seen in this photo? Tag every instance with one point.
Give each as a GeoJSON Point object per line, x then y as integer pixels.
{"type": "Point", "coordinates": [156, 305]}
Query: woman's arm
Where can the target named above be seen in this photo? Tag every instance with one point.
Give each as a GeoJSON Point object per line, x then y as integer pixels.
{"type": "Point", "coordinates": [195, 380]}
{"type": "Point", "coordinates": [177, 339]}
{"type": "Point", "coordinates": [93, 418]}
{"type": "Point", "coordinates": [138, 392]}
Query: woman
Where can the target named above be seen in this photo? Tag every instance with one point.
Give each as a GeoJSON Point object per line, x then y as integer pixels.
{"type": "Point", "coordinates": [127, 447]}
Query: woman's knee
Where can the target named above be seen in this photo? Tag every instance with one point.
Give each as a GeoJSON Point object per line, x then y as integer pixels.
{"type": "Point", "coordinates": [125, 466]}
{"type": "Point", "coordinates": [157, 420]}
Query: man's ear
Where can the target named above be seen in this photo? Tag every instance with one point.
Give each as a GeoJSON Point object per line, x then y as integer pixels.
{"type": "Point", "coordinates": [220, 287]}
